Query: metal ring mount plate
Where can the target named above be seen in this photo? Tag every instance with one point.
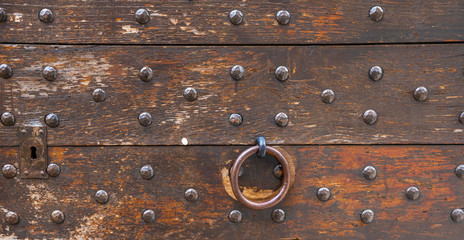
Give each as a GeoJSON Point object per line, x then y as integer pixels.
{"type": "Point", "coordinates": [286, 182]}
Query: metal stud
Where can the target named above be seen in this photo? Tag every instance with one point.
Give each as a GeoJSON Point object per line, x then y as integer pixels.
{"type": "Point", "coordinates": [148, 216]}
{"type": "Point", "coordinates": [9, 171]}
{"type": "Point", "coordinates": [421, 94]}
{"type": "Point", "coordinates": [457, 215]}
{"type": "Point", "coordinates": [461, 118]}
{"type": "Point", "coordinates": [459, 171]}
{"type": "Point", "coordinates": [236, 17]}
{"type": "Point", "coordinates": [281, 73]}
{"type": "Point", "coordinates": [142, 16]}
{"type": "Point", "coordinates": [191, 195]}
{"type": "Point", "coordinates": [323, 194]}
{"type": "Point", "coordinates": [367, 216]}
{"type": "Point", "coordinates": [277, 171]}
{"type": "Point", "coordinates": [283, 17]}
{"type": "Point", "coordinates": [3, 16]}
{"type": "Point", "coordinates": [145, 119]}
{"type": "Point", "coordinates": [327, 96]}
{"type": "Point", "coordinates": [235, 119]}
{"type": "Point", "coordinates": [101, 196]}
{"type": "Point", "coordinates": [369, 172]}
{"type": "Point", "coordinates": [278, 215]}
{"type": "Point", "coordinates": [370, 117]}
{"type": "Point", "coordinates": [146, 74]}
{"type": "Point", "coordinates": [190, 94]}
{"type": "Point", "coordinates": [375, 73]}
{"type": "Point", "coordinates": [11, 218]}
{"type": "Point", "coordinates": [52, 120]}
{"type": "Point", "coordinates": [7, 119]}
{"type": "Point", "coordinates": [237, 72]}
{"type": "Point", "coordinates": [281, 119]}
{"type": "Point", "coordinates": [235, 216]}
{"type": "Point", "coordinates": [147, 172]}
{"type": "Point", "coordinates": [46, 16]}
{"type": "Point", "coordinates": [376, 13]}
{"type": "Point", "coordinates": [57, 216]}
{"type": "Point", "coordinates": [99, 95]}
{"type": "Point", "coordinates": [5, 71]}
{"type": "Point", "coordinates": [53, 170]}
{"type": "Point", "coordinates": [49, 73]}
{"type": "Point", "coordinates": [412, 193]}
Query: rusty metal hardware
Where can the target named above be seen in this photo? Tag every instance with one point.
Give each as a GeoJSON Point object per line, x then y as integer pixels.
{"type": "Point", "coordinates": [237, 72]}
{"type": "Point", "coordinates": [190, 94]}
{"type": "Point", "coordinates": [281, 119]}
{"type": "Point", "coordinates": [46, 16]}
{"type": "Point", "coordinates": [369, 172]}
{"type": "Point", "coordinates": [3, 16]}
{"type": "Point", "coordinates": [99, 95]}
{"type": "Point", "coordinates": [7, 119]}
{"type": "Point", "coordinates": [457, 215]}
{"type": "Point", "coordinates": [5, 71]}
{"type": "Point", "coordinates": [286, 182]}
{"type": "Point", "coordinates": [376, 13]}
{"type": "Point", "coordinates": [101, 196]}
{"type": "Point", "coordinates": [261, 147]}
{"type": "Point", "coordinates": [235, 216]}
{"type": "Point", "coordinates": [281, 73]}
{"type": "Point", "coordinates": [412, 193]}
{"type": "Point", "coordinates": [370, 116]}
{"type": "Point", "coordinates": [146, 74]}
{"type": "Point", "coordinates": [235, 119]}
{"type": "Point", "coordinates": [421, 94]}
{"type": "Point", "coordinates": [283, 17]}
{"type": "Point", "coordinates": [376, 73]}
{"type": "Point", "coordinates": [278, 215]}
{"type": "Point", "coordinates": [328, 96]}
{"type": "Point", "coordinates": [323, 194]}
{"type": "Point", "coordinates": [191, 195]}
{"type": "Point", "coordinates": [53, 170]}
{"type": "Point", "coordinates": [145, 119]}
{"type": "Point", "coordinates": [142, 16]}
{"type": "Point", "coordinates": [9, 171]}
{"type": "Point", "coordinates": [57, 216]}
{"type": "Point", "coordinates": [236, 17]}
{"type": "Point", "coordinates": [33, 152]}
{"type": "Point", "coordinates": [148, 216]}
{"type": "Point", "coordinates": [147, 172]}
{"type": "Point", "coordinates": [11, 218]}
{"type": "Point", "coordinates": [367, 216]}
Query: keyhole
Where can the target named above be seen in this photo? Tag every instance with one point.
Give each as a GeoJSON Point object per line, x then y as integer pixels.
{"type": "Point", "coordinates": [33, 152]}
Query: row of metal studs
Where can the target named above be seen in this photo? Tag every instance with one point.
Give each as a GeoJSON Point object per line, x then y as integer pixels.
{"type": "Point", "coordinates": [237, 72]}
{"type": "Point", "coordinates": [235, 216]}
{"type": "Point", "coordinates": [142, 16]}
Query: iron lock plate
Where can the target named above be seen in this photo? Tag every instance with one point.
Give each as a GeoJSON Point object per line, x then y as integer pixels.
{"type": "Point", "coordinates": [33, 153]}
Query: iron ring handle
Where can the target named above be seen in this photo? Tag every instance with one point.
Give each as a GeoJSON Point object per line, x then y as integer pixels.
{"type": "Point", "coordinates": [286, 182]}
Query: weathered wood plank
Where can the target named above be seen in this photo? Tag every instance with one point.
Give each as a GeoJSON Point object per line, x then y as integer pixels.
{"type": "Point", "coordinates": [339, 168]}
{"type": "Point", "coordinates": [258, 97]}
{"type": "Point", "coordinates": [206, 22]}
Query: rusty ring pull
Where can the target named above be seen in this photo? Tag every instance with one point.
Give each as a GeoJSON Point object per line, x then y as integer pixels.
{"type": "Point", "coordinates": [286, 182]}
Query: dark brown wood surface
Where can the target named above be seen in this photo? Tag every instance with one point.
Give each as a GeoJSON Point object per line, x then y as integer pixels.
{"type": "Point", "coordinates": [258, 97]}
{"type": "Point", "coordinates": [339, 168]}
{"type": "Point", "coordinates": [206, 22]}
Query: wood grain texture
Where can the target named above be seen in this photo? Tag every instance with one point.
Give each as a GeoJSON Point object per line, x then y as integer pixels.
{"type": "Point", "coordinates": [339, 168]}
{"type": "Point", "coordinates": [258, 97]}
{"type": "Point", "coordinates": [206, 22]}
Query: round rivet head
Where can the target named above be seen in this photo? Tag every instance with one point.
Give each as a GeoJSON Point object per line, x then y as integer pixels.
{"type": "Point", "coordinates": [7, 119]}
{"type": "Point", "coordinates": [146, 74]}
{"type": "Point", "coordinates": [459, 171]}
{"type": "Point", "coordinates": [53, 170]}
{"type": "Point", "coordinates": [191, 195]}
{"type": "Point", "coordinates": [327, 96]}
{"type": "Point", "coordinates": [376, 13]}
{"type": "Point", "coordinates": [283, 17]}
{"type": "Point", "coordinates": [323, 194]}
{"type": "Point", "coordinates": [375, 73]}
{"type": "Point", "coordinates": [52, 120]}
{"type": "Point", "coordinates": [49, 73]}
{"type": "Point", "coordinates": [235, 119]}
{"type": "Point", "coordinates": [367, 216]}
{"type": "Point", "coordinates": [11, 218]}
{"type": "Point", "coordinates": [46, 16]}
{"type": "Point", "coordinates": [281, 119]}
{"type": "Point", "coordinates": [236, 17]}
{"type": "Point", "coordinates": [369, 172]}
{"type": "Point", "coordinates": [57, 216]}
{"type": "Point", "coordinates": [9, 171]}
{"type": "Point", "coordinates": [461, 118]}
{"type": "Point", "coordinates": [145, 119]}
{"type": "Point", "coordinates": [281, 73]}
{"type": "Point", "coordinates": [278, 172]}
{"type": "Point", "coordinates": [148, 216]}
{"type": "Point", "coordinates": [190, 94]}
{"type": "Point", "coordinates": [237, 72]}
{"type": "Point", "coordinates": [235, 216]}
{"type": "Point", "coordinates": [370, 117]}
{"type": "Point", "coordinates": [457, 215]}
{"type": "Point", "coordinates": [278, 215]}
{"type": "Point", "coordinates": [142, 16]}
{"type": "Point", "coordinates": [99, 95]}
{"type": "Point", "coordinates": [147, 172]}
{"type": "Point", "coordinates": [2, 15]}
{"type": "Point", "coordinates": [5, 71]}
{"type": "Point", "coordinates": [412, 193]}
{"type": "Point", "coordinates": [101, 196]}
{"type": "Point", "coordinates": [421, 94]}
